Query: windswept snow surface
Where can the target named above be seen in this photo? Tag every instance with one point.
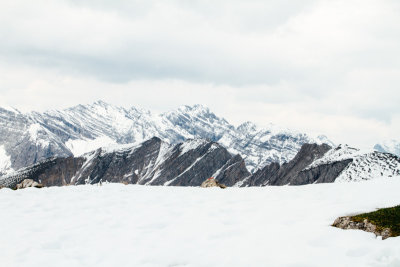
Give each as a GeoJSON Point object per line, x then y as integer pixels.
{"type": "Point", "coordinates": [117, 225]}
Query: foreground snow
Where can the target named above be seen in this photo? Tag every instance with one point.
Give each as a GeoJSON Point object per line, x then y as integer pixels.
{"type": "Point", "coordinates": [117, 225]}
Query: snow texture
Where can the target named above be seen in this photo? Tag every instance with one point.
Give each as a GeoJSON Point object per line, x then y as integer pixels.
{"type": "Point", "coordinates": [117, 225]}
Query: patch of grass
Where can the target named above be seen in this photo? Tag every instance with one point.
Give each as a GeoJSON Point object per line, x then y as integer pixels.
{"type": "Point", "coordinates": [383, 218]}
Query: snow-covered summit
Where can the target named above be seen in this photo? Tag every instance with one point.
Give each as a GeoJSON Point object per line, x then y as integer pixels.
{"type": "Point", "coordinates": [389, 146]}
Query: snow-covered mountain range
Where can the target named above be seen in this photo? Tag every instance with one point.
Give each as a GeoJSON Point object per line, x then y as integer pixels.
{"type": "Point", "coordinates": [26, 138]}
{"type": "Point", "coordinates": [154, 162]}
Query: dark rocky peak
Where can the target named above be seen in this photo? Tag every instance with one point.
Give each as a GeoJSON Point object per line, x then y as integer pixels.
{"type": "Point", "coordinates": [190, 163]}
{"type": "Point", "coordinates": [310, 152]}
{"type": "Point", "coordinates": [276, 174]}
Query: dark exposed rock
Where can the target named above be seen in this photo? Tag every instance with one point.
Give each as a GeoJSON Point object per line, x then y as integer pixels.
{"type": "Point", "coordinates": [347, 223]}
{"type": "Point", "coordinates": [233, 171]}
{"type": "Point", "coordinates": [326, 173]}
{"type": "Point", "coordinates": [293, 172]}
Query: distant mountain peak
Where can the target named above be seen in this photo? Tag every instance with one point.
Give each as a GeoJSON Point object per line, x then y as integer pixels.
{"type": "Point", "coordinates": [247, 126]}
{"type": "Point", "coordinates": [389, 146]}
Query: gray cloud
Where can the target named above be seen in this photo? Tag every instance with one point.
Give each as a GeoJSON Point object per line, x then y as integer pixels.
{"type": "Point", "coordinates": [318, 58]}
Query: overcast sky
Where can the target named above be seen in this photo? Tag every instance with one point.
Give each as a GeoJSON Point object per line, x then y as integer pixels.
{"type": "Point", "coordinates": [328, 67]}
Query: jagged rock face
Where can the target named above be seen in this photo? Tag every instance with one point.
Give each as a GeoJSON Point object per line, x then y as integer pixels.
{"type": "Point", "coordinates": [151, 163]}
{"type": "Point", "coordinates": [51, 172]}
{"type": "Point", "coordinates": [276, 174]}
{"type": "Point", "coordinates": [232, 172]}
{"type": "Point", "coordinates": [192, 167]}
{"type": "Point", "coordinates": [131, 165]}
{"type": "Point", "coordinates": [33, 137]}
{"type": "Point", "coordinates": [325, 173]}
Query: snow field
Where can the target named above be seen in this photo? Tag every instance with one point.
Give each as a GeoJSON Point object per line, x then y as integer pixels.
{"type": "Point", "coordinates": [118, 225]}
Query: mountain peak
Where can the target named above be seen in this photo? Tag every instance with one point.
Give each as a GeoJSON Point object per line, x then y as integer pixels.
{"type": "Point", "coordinates": [9, 109]}
{"type": "Point", "coordinates": [197, 108]}
{"type": "Point", "coordinates": [247, 126]}
{"type": "Point", "coordinates": [101, 103]}
{"type": "Point", "coordinates": [389, 146]}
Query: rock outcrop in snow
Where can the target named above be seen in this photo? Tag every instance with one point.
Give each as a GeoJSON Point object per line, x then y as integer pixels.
{"type": "Point", "coordinates": [28, 183]}
{"type": "Point", "coordinates": [347, 223]}
{"type": "Point", "coordinates": [211, 182]}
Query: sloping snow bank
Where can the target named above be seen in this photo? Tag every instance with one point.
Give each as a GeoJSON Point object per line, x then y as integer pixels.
{"type": "Point", "coordinates": [117, 225]}
{"type": "Point", "coordinates": [79, 147]}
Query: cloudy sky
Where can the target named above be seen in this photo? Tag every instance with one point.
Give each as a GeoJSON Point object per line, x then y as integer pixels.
{"type": "Point", "coordinates": [329, 67]}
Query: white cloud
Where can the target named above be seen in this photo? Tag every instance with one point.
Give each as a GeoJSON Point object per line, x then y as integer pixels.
{"type": "Point", "coordinates": [323, 66]}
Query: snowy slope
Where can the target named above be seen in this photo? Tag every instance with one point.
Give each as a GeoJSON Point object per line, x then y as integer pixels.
{"type": "Point", "coordinates": [365, 165]}
{"type": "Point", "coordinates": [29, 138]}
{"type": "Point", "coordinates": [117, 225]}
{"type": "Point", "coordinates": [5, 162]}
